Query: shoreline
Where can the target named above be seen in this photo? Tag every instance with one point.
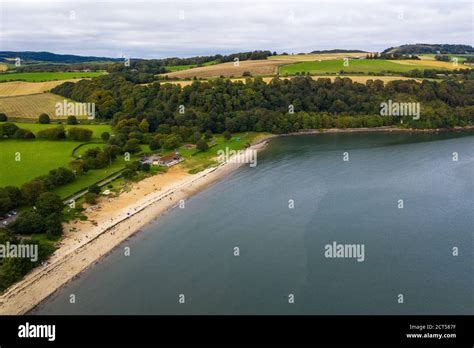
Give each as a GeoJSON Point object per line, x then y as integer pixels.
{"type": "Point", "coordinates": [81, 252]}
{"type": "Point", "coordinates": [120, 221]}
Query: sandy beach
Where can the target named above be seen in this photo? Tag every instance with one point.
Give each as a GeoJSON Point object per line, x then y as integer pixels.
{"type": "Point", "coordinates": [109, 223]}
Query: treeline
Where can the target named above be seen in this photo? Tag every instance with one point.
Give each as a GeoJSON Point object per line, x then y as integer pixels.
{"type": "Point", "coordinates": [392, 56]}
{"type": "Point", "coordinates": [219, 105]}
{"type": "Point", "coordinates": [158, 66]}
{"type": "Point", "coordinates": [62, 67]}
{"type": "Point", "coordinates": [431, 48]}
{"type": "Point", "coordinates": [11, 130]}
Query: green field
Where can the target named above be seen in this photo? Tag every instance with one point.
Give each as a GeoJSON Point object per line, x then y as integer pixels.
{"type": "Point", "coordinates": [358, 66]}
{"type": "Point", "coordinates": [47, 76]}
{"type": "Point", "coordinates": [172, 68]}
{"type": "Point", "coordinates": [461, 57]}
{"type": "Point", "coordinates": [97, 130]}
{"type": "Point", "coordinates": [39, 156]}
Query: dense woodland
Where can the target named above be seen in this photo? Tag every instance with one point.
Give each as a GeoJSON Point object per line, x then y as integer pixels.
{"type": "Point", "coordinates": [221, 105]}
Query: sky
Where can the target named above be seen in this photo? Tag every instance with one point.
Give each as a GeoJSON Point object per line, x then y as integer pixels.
{"type": "Point", "coordinates": [158, 28]}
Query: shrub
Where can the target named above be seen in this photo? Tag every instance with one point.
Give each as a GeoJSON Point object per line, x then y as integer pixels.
{"type": "Point", "coordinates": [105, 136]}
{"type": "Point", "coordinates": [44, 119]}
{"type": "Point", "coordinates": [3, 117]}
{"type": "Point", "coordinates": [202, 145]}
{"type": "Point", "coordinates": [8, 129]}
{"type": "Point", "coordinates": [94, 188]}
{"type": "Point", "coordinates": [56, 133]}
{"type": "Point", "coordinates": [227, 135]}
{"type": "Point", "coordinates": [23, 134]}
{"type": "Point", "coordinates": [90, 198]}
{"type": "Point", "coordinates": [72, 120]}
{"type": "Point", "coordinates": [80, 134]}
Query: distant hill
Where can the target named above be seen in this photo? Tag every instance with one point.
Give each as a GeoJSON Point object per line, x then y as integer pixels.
{"type": "Point", "coordinates": [337, 51]}
{"type": "Point", "coordinates": [431, 48]}
{"type": "Point", "coordinates": [31, 57]}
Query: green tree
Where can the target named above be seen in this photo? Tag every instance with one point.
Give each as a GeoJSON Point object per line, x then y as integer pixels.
{"type": "Point", "coordinates": [3, 117]}
{"type": "Point", "coordinates": [90, 198]}
{"type": "Point", "coordinates": [105, 137]}
{"type": "Point", "coordinates": [144, 126]}
{"type": "Point", "coordinates": [72, 120]}
{"type": "Point", "coordinates": [28, 222]}
{"type": "Point", "coordinates": [44, 119]}
{"type": "Point", "coordinates": [94, 188]}
{"type": "Point", "coordinates": [227, 135]}
{"type": "Point", "coordinates": [202, 145]}
{"type": "Point", "coordinates": [49, 203]}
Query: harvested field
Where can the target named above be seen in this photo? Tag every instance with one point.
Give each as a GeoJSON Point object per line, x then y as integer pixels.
{"type": "Point", "coordinates": [431, 63]}
{"type": "Point", "coordinates": [30, 106]}
{"type": "Point", "coordinates": [15, 88]}
{"type": "Point", "coordinates": [255, 67]}
{"type": "Point", "coordinates": [3, 67]}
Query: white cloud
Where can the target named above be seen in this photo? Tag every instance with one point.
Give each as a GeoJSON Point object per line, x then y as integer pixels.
{"type": "Point", "coordinates": [156, 28]}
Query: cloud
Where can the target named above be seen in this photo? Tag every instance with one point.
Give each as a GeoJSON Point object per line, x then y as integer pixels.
{"type": "Point", "coordinates": [157, 28]}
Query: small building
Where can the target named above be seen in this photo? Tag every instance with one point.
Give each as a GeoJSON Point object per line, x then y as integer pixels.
{"type": "Point", "coordinates": [151, 160]}
{"type": "Point", "coordinates": [171, 159]}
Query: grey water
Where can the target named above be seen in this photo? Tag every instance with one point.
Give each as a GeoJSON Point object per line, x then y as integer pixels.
{"type": "Point", "coordinates": [302, 196]}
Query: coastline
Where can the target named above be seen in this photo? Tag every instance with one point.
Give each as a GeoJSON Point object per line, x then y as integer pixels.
{"type": "Point", "coordinates": [119, 218]}
{"type": "Point", "coordinates": [83, 248]}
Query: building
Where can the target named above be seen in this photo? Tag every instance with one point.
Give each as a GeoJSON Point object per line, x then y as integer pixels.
{"type": "Point", "coordinates": [171, 159]}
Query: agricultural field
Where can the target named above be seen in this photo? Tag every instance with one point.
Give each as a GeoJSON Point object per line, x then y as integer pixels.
{"type": "Point", "coordinates": [360, 66]}
{"type": "Point", "coordinates": [310, 57]}
{"type": "Point", "coordinates": [461, 57]}
{"type": "Point", "coordinates": [47, 76]}
{"type": "Point", "coordinates": [173, 68]}
{"type": "Point", "coordinates": [16, 88]}
{"type": "Point", "coordinates": [3, 67]}
{"type": "Point", "coordinates": [31, 106]}
{"type": "Point", "coordinates": [255, 67]}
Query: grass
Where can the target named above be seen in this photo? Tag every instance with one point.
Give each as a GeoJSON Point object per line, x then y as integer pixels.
{"type": "Point", "coordinates": [360, 66]}
{"type": "Point", "coordinates": [97, 129]}
{"type": "Point", "coordinates": [172, 68]}
{"type": "Point", "coordinates": [197, 161]}
{"type": "Point", "coordinates": [461, 57]}
{"type": "Point", "coordinates": [47, 76]}
{"type": "Point", "coordinates": [38, 157]}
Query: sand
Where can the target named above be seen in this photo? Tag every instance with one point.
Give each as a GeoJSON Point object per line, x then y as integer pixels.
{"type": "Point", "coordinates": [110, 222]}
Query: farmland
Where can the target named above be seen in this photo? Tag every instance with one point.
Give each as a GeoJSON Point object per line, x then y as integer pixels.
{"type": "Point", "coordinates": [255, 67]}
{"type": "Point", "coordinates": [16, 88]}
{"type": "Point", "coordinates": [47, 76]}
{"type": "Point", "coordinates": [359, 66]}
{"type": "Point", "coordinates": [31, 106]}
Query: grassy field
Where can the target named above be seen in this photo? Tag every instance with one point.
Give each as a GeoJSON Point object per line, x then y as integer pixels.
{"type": "Point", "coordinates": [360, 66]}
{"type": "Point", "coordinates": [16, 88]}
{"type": "Point", "coordinates": [47, 76]}
{"type": "Point", "coordinates": [461, 57]}
{"type": "Point", "coordinates": [97, 130]}
{"type": "Point", "coordinates": [31, 106]}
{"type": "Point", "coordinates": [317, 56]}
{"type": "Point", "coordinates": [173, 68]}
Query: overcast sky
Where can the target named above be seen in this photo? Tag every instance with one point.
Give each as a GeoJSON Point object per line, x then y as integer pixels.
{"type": "Point", "coordinates": [157, 28]}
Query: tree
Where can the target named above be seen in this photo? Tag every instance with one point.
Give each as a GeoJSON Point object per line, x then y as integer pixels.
{"type": "Point", "coordinates": [80, 134]}
{"type": "Point", "coordinates": [91, 198]}
{"type": "Point", "coordinates": [44, 119]}
{"type": "Point", "coordinates": [72, 120]}
{"type": "Point", "coordinates": [202, 145]}
{"type": "Point", "coordinates": [132, 146]}
{"type": "Point", "coordinates": [49, 203]}
{"type": "Point", "coordinates": [3, 117]}
{"type": "Point", "coordinates": [227, 135]}
{"type": "Point", "coordinates": [94, 188]}
{"type": "Point", "coordinates": [144, 126]}
{"type": "Point", "coordinates": [28, 222]}
{"type": "Point", "coordinates": [208, 134]}
{"type": "Point", "coordinates": [171, 141]}
{"type": "Point", "coordinates": [54, 226]}
{"type": "Point", "coordinates": [105, 137]}
{"type": "Point", "coordinates": [31, 190]}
